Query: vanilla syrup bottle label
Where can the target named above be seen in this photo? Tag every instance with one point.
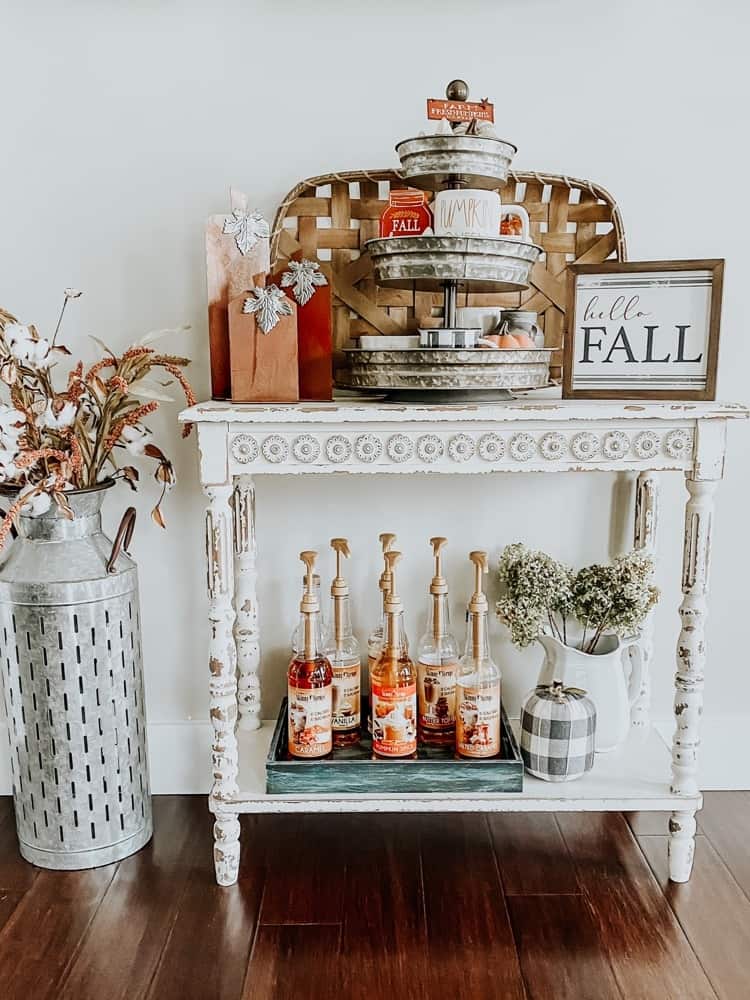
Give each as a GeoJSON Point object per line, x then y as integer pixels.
{"type": "Point", "coordinates": [346, 702]}
{"type": "Point", "coordinates": [310, 721]}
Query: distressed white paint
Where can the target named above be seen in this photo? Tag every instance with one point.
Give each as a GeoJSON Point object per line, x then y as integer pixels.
{"type": "Point", "coordinates": [634, 777]}
{"type": "Point", "coordinates": [246, 604]}
{"type": "Point", "coordinates": [572, 437]}
{"type": "Point", "coordinates": [544, 406]}
{"type": "Point", "coordinates": [681, 848]}
{"type": "Point", "coordinates": [644, 539]}
{"type": "Point", "coordinates": [222, 680]}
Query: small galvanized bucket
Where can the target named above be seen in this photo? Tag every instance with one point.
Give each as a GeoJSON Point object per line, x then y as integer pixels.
{"type": "Point", "coordinates": [70, 658]}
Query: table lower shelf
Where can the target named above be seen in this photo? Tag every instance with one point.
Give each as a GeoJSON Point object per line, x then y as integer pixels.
{"type": "Point", "coordinates": [636, 778]}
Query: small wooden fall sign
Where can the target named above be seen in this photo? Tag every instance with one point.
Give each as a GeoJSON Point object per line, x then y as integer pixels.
{"type": "Point", "coordinates": [645, 329]}
{"type": "Point", "coordinates": [461, 111]}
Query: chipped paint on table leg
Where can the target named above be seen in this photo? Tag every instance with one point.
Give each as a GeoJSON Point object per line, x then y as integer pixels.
{"type": "Point", "coordinates": [222, 674]}
{"type": "Point", "coordinates": [691, 645]}
{"type": "Point", "coordinates": [226, 848]}
{"type": "Point", "coordinates": [645, 536]}
{"type": "Point", "coordinates": [681, 845]}
{"type": "Point", "coordinates": [246, 603]}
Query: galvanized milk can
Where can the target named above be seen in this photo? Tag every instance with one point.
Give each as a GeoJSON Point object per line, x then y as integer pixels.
{"type": "Point", "coordinates": [70, 656]}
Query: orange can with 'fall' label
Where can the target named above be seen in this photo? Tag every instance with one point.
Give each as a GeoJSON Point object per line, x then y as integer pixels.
{"type": "Point", "coordinates": [407, 214]}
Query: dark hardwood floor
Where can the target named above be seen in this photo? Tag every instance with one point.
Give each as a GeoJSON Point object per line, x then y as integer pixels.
{"type": "Point", "coordinates": [566, 907]}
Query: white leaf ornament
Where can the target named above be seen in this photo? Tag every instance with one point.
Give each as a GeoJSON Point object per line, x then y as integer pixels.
{"type": "Point", "coordinates": [303, 276]}
{"type": "Point", "coordinates": [269, 305]}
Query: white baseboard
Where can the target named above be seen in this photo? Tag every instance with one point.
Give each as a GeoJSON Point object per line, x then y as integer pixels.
{"type": "Point", "coordinates": [180, 755]}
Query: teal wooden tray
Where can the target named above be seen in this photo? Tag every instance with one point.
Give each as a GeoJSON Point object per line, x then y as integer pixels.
{"type": "Point", "coordinates": [352, 769]}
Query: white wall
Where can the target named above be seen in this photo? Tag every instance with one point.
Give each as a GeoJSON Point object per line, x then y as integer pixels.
{"type": "Point", "coordinates": [124, 124]}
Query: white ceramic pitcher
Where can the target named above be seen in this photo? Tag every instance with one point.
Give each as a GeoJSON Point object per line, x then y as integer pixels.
{"type": "Point", "coordinates": [603, 676]}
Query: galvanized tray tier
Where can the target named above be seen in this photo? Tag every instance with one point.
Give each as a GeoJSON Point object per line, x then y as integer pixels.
{"type": "Point", "coordinates": [465, 371]}
{"type": "Point", "coordinates": [432, 162]}
{"type": "Point", "coordinates": [425, 263]}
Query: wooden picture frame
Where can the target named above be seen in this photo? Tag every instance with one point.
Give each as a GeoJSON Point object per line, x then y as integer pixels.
{"type": "Point", "coordinates": [619, 315]}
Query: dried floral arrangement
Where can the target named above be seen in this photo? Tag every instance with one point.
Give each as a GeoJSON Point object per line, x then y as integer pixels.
{"type": "Point", "coordinates": [542, 595]}
{"type": "Point", "coordinates": [53, 440]}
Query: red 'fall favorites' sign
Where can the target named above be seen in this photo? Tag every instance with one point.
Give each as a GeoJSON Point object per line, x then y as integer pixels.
{"type": "Point", "coordinates": [461, 111]}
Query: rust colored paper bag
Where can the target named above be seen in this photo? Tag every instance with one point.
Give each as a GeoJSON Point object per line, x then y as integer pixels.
{"type": "Point", "coordinates": [263, 366]}
{"type": "Point", "coordinates": [228, 273]}
{"type": "Point", "coordinates": [314, 341]}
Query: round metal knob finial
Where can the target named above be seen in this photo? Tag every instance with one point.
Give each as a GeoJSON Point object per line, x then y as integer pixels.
{"type": "Point", "coordinates": [457, 90]}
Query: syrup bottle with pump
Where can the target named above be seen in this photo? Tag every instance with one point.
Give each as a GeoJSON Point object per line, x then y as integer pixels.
{"type": "Point", "coordinates": [478, 686]}
{"type": "Point", "coordinates": [394, 682]}
{"type": "Point", "coordinates": [343, 653]}
{"type": "Point", "coordinates": [310, 680]}
{"type": "Point", "coordinates": [437, 663]}
{"type": "Point", "coordinates": [375, 639]}
{"type": "Point", "coordinates": [298, 635]}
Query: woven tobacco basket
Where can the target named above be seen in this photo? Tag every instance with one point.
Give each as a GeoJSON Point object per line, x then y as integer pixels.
{"type": "Point", "coordinates": [330, 218]}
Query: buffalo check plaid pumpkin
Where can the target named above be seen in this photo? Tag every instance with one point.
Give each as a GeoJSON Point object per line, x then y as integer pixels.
{"type": "Point", "coordinates": [557, 732]}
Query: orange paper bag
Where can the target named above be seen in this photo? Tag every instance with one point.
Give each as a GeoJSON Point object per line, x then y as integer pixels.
{"type": "Point", "coordinates": [263, 365]}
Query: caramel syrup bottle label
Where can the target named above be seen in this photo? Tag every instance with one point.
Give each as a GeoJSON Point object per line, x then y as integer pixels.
{"type": "Point", "coordinates": [436, 687]}
{"type": "Point", "coordinates": [478, 720]}
{"type": "Point", "coordinates": [394, 720]}
{"type": "Point", "coordinates": [309, 721]}
{"type": "Point", "coordinates": [346, 707]}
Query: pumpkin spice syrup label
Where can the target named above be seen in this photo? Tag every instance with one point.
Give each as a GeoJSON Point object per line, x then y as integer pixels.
{"type": "Point", "coordinates": [394, 720]}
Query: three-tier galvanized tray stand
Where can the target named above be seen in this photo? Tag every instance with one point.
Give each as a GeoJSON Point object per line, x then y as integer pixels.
{"type": "Point", "coordinates": [450, 264]}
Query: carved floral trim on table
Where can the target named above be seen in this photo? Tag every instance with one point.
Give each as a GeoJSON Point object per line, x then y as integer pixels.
{"type": "Point", "coordinates": [430, 448]}
{"type": "Point", "coordinates": [368, 447]}
{"type": "Point", "coordinates": [451, 448]}
{"type": "Point", "coordinates": [306, 448]}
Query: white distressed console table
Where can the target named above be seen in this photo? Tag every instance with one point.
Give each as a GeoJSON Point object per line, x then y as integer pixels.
{"type": "Point", "coordinates": [239, 441]}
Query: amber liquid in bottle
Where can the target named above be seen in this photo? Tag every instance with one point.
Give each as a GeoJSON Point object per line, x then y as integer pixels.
{"type": "Point", "coordinates": [394, 684]}
{"type": "Point", "coordinates": [310, 682]}
{"type": "Point", "coordinates": [377, 637]}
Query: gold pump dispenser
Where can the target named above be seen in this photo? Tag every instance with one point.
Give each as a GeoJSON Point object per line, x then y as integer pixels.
{"type": "Point", "coordinates": [478, 686]}
{"type": "Point", "coordinates": [298, 636]}
{"type": "Point", "coordinates": [309, 605]}
{"type": "Point", "coordinates": [339, 590]}
{"type": "Point", "coordinates": [437, 662]}
{"type": "Point", "coordinates": [387, 540]}
{"type": "Point", "coordinates": [478, 606]}
{"type": "Point", "coordinates": [438, 587]}
{"type": "Point", "coordinates": [343, 652]}
{"type": "Point", "coordinates": [309, 678]}
{"type": "Point", "coordinates": [394, 688]}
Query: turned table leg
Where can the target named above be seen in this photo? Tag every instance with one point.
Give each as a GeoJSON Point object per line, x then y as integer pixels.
{"type": "Point", "coordinates": [681, 845]}
{"type": "Point", "coordinates": [646, 520]}
{"type": "Point", "coordinates": [223, 682]}
{"type": "Point", "coordinates": [691, 656]}
{"type": "Point", "coordinates": [246, 604]}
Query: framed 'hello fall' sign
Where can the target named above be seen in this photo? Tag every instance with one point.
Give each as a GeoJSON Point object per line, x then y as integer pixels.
{"type": "Point", "coordinates": [643, 330]}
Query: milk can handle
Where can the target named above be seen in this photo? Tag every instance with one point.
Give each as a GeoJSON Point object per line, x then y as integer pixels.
{"type": "Point", "coordinates": [122, 538]}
